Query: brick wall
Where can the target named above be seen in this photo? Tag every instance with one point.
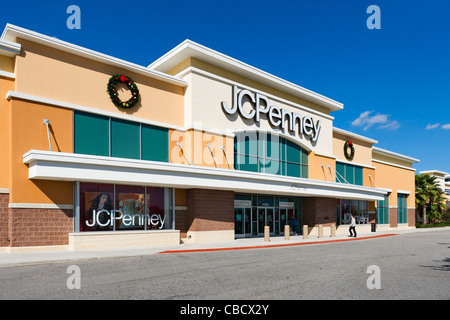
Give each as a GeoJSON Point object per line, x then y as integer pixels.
{"type": "Point", "coordinates": [207, 210]}
{"type": "Point", "coordinates": [318, 211]}
{"type": "Point", "coordinates": [39, 227]}
{"type": "Point", "coordinates": [4, 200]}
{"type": "Point", "coordinates": [393, 222]}
{"type": "Point", "coordinates": [411, 217]}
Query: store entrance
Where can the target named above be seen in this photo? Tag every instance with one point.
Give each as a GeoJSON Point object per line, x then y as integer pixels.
{"type": "Point", "coordinates": [253, 213]}
{"type": "Point", "coordinates": [251, 221]}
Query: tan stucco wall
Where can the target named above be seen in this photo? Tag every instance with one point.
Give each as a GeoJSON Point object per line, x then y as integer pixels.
{"type": "Point", "coordinates": [54, 74]}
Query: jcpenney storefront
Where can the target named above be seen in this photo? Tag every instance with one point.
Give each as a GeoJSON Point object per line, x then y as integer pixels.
{"type": "Point", "coordinates": [206, 148]}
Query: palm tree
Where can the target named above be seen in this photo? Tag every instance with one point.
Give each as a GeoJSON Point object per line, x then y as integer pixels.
{"type": "Point", "coordinates": [428, 195]}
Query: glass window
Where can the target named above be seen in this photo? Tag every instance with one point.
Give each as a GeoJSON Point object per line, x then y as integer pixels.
{"type": "Point", "coordinates": [155, 143]}
{"type": "Point", "coordinates": [268, 153]}
{"type": "Point", "coordinates": [91, 134]}
{"type": "Point", "coordinates": [351, 173]}
{"type": "Point", "coordinates": [402, 216]}
{"type": "Point", "coordinates": [104, 136]}
{"type": "Point", "coordinates": [107, 207]}
{"type": "Point", "coordinates": [96, 203]}
{"type": "Point", "coordinates": [125, 139]}
{"type": "Point", "coordinates": [130, 200]}
{"type": "Point", "coordinates": [383, 210]}
{"type": "Point", "coordinates": [357, 208]}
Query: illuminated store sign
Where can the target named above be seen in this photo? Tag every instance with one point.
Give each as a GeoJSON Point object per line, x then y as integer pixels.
{"type": "Point", "coordinates": [277, 117]}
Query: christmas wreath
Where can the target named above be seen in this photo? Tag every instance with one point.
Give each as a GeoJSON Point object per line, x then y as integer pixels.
{"type": "Point", "coordinates": [113, 81]}
{"type": "Point", "coordinates": [348, 145]}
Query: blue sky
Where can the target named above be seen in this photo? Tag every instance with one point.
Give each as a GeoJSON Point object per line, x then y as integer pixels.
{"type": "Point", "coordinates": [394, 82]}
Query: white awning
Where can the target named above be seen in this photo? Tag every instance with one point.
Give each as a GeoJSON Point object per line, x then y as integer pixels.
{"type": "Point", "coordinates": [59, 166]}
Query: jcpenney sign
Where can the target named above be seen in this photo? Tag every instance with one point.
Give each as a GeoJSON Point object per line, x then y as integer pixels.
{"type": "Point", "coordinates": [105, 218]}
{"type": "Point", "coordinates": [277, 117]}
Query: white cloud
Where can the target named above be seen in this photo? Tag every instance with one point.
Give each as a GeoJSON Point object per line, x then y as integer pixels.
{"type": "Point", "coordinates": [366, 120]}
{"type": "Point", "coordinates": [446, 126]}
{"type": "Point", "coordinates": [432, 126]}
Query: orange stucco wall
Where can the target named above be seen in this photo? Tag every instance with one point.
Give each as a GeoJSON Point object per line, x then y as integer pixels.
{"type": "Point", "coordinates": [395, 178]}
{"type": "Point", "coordinates": [5, 86]}
{"type": "Point", "coordinates": [28, 132]}
{"type": "Point", "coordinates": [195, 142]}
{"type": "Point", "coordinates": [54, 74]}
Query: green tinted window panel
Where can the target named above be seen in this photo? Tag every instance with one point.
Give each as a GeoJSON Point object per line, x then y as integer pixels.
{"type": "Point", "coordinates": [155, 143]}
{"type": "Point", "coordinates": [359, 176]}
{"type": "Point", "coordinates": [349, 174]}
{"type": "Point", "coordinates": [273, 147]}
{"type": "Point", "coordinates": [248, 144]}
{"type": "Point", "coordinates": [293, 152]}
{"type": "Point", "coordinates": [247, 163]}
{"type": "Point", "coordinates": [125, 141]}
{"type": "Point", "coordinates": [270, 166]}
{"type": "Point", "coordinates": [340, 172]}
{"type": "Point", "coordinates": [305, 172]}
{"type": "Point", "coordinates": [304, 157]}
{"type": "Point", "coordinates": [293, 169]}
{"type": "Point", "coordinates": [91, 134]}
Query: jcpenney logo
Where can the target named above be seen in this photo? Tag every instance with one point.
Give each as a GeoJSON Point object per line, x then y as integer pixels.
{"type": "Point", "coordinates": [277, 117]}
{"type": "Point", "coordinates": [105, 218]}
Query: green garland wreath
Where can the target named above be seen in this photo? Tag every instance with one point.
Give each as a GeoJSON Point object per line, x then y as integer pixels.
{"type": "Point", "coordinates": [347, 145]}
{"type": "Point", "coordinates": [119, 78]}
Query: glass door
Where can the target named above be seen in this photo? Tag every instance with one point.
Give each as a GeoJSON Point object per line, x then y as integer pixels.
{"type": "Point", "coordinates": [277, 222]}
{"type": "Point", "coordinates": [267, 217]}
{"type": "Point", "coordinates": [238, 221]}
{"type": "Point", "coordinates": [243, 221]}
{"type": "Point", "coordinates": [270, 219]}
{"type": "Point", "coordinates": [261, 220]}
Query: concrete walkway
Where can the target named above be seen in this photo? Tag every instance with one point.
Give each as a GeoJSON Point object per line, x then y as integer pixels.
{"type": "Point", "coordinates": [8, 259]}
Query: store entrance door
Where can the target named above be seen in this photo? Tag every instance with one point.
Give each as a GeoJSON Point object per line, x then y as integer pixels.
{"type": "Point", "coordinates": [242, 221]}
{"type": "Point", "coordinates": [266, 217]}
{"type": "Point", "coordinates": [285, 217]}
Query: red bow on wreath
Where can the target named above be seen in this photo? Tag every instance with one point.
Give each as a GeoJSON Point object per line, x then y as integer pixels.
{"type": "Point", "coordinates": [122, 78]}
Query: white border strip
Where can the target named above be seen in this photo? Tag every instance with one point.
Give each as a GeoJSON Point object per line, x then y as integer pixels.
{"type": "Point", "coordinates": [355, 164]}
{"type": "Point", "coordinates": [40, 206]}
{"type": "Point", "coordinates": [7, 74]}
{"type": "Point", "coordinates": [393, 164]}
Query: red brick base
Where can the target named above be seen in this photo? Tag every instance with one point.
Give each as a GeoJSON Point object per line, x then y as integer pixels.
{"type": "Point", "coordinates": [207, 210]}
{"type": "Point", "coordinates": [4, 218]}
{"type": "Point", "coordinates": [318, 211]}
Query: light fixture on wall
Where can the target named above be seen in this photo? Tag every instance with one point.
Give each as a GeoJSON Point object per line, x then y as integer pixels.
{"type": "Point", "coordinates": [212, 153]}
{"type": "Point", "coordinates": [185, 153]}
{"type": "Point", "coordinates": [46, 122]}
{"type": "Point", "coordinates": [226, 155]}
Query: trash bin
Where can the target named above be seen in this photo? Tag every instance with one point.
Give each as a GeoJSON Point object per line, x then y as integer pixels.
{"type": "Point", "coordinates": [373, 227]}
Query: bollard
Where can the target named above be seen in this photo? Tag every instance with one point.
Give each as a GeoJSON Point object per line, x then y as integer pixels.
{"type": "Point", "coordinates": [287, 231]}
{"type": "Point", "coordinates": [266, 234]}
{"type": "Point", "coordinates": [305, 231]}
{"type": "Point", "coordinates": [320, 231]}
{"type": "Point", "coordinates": [333, 230]}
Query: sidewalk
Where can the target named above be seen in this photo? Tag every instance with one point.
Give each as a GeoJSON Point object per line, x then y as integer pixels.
{"type": "Point", "coordinates": [32, 258]}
